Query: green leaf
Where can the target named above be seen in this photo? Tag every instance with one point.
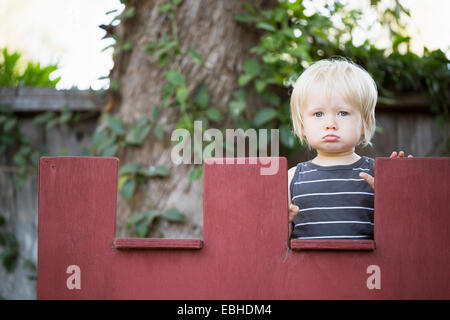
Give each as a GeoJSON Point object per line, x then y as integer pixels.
{"type": "Point", "coordinates": [244, 18]}
{"type": "Point", "coordinates": [128, 189]}
{"type": "Point", "coordinates": [265, 26]}
{"type": "Point", "coordinates": [236, 107]}
{"type": "Point", "coordinates": [165, 7]}
{"type": "Point", "coordinates": [19, 160]}
{"type": "Point", "coordinates": [129, 168]}
{"type": "Point", "coordinates": [121, 181]}
{"type": "Point", "coordinates": [196, 56]}
{"type": "Point", "coordinates": [44, 117]}
{"type": "Point", "coordinates": [129, 13]}
{"type": "Point", "coordinates": [157, 171]}
{"type": "Point", "coordinates": [239, 95]}
{"type": "Point", "coordinates": [244, 79]}
{"type": "Point", "coordinates": [116, 125]}
{"type": "Point", "coordinates": [176, 79]}
{"type": "Point", "coordinates": [195, 174]}
{"type": "Point", "coordinates": [10, 123]}
{"type": "Point", "coordinates": [114, 85]}
{"type": "Point", "coordinates": [173, 215]}
{"type": "Point", "coordinates": [99, 136]}
{"type": "Point", "coordinates": [286, 137]}
{"type": "Point", "coordinates": [51, 123]}
{"type": "Point", "coordinates": [252, 67]}
{"type": "Point", "coordinates": [105, 143]}
{"type": "Point", "coordinates": [110, 151]}
{"type": "Point", "coordinates": [263, 116]}
{"type": "Point", "coordinates": [158, 132]}
{"type": "Point", "coordinates": [137, 134]}
{"type": "Point", "coordinates": [166, 48]}
{"type": "Point", "coordinates": [182, 95]}
{"type": "Point", "coordinates": [135, 218]}
{"type": "Point", "coordinates": [12, 240]}
{"type": "Point", "coordinates": [213, 114]}
{"type": "Point", "coordinates": [9, 257]}
{"type": "Point", "coordinates": [260, 85]}
{"type": "Point", "coordinates": [65, 117]}
{"type": "Point", "coordinates": [141, 228]}
{"type": "Point", "coordinates": [155, 112]}
{"type": "Point", "coordinates": [201, 96]}
{"type": "Point", "coordinates": [271, 98]}
{"type": "Point", "coordinates": [271, 58]}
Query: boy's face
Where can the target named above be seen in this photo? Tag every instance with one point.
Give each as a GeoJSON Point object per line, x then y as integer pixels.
{"type": "Point", "coordinates": [335, 118]}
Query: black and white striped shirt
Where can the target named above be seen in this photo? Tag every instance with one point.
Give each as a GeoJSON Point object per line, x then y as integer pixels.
{"type": "Point", "coordinates": [334, 202]}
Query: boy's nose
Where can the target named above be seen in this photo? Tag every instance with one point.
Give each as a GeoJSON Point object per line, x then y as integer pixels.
{"type": "Point", "coordinates": [330, 124]}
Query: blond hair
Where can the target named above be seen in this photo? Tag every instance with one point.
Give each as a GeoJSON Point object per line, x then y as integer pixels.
{"type": "Point", "coordinates": [352, 82]}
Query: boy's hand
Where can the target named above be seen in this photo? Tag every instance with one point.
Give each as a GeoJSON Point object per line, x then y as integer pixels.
{"type": "Point", "coordinates": [293, 211]}
{"type": "Point", "coordinates": [371, 180]}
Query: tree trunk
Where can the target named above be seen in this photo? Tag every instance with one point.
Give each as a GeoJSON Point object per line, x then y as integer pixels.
{"type": "Point", "coordinates": [211, 29]}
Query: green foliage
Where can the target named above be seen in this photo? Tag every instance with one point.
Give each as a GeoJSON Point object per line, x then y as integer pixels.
{"type": "Point", "coordinates": [12, 138]}
{"type": "Point", "coordinates": [132, 174]}
{"type": "Point", "coordinates": [142, 221]}
{"type": "Point", "coordinates": [112, 134]}
{"type": "Point", "coordinates": [9, 245]}
{"type": "Point", "coordinates": [16, 144]}
{"type": "Point", "coordinates": [50, 119]}
{"type": "Point", "coordinates": [11, 73]}
{"type": "Point", "coordinates": [31, 267]}
{"type": "Point", "coordinates": [24, 156]}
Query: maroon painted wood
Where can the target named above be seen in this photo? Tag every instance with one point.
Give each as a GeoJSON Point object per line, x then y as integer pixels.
{"type": "Point", "coordinates": [357, 245]}
{"type": "Point", "coordinates": [245, 252]}
{"type": "Point", "coordinates": [149, 243]}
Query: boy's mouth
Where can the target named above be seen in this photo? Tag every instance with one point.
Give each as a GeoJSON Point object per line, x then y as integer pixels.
{"type": "Point", "coordinates": [330, 137]}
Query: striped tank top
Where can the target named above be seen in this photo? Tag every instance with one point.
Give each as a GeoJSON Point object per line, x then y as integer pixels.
{"type": "Point", "coordinates": [334, 201]}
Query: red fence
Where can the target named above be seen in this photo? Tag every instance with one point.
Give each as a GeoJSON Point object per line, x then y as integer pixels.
{"type": "Point", "coordinates": [244, 253]}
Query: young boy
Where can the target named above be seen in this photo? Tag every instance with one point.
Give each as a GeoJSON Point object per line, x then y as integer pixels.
{"type": "Point", "coordinates": [333, 110]}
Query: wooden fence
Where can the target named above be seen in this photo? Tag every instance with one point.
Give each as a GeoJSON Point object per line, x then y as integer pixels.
{"type": "Point", "coordinates": [244, 253]}
{"type": "Point", "coordinates": [408, 126]}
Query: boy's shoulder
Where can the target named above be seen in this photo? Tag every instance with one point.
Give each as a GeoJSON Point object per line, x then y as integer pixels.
{"type": "Point", "coordinates": [299, 166]}
{"type": "Point", "coordinates": [369, 161]}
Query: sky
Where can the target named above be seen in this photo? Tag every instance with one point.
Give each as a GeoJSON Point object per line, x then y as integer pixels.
{"type": "Point", "coordinates": [67, 33]}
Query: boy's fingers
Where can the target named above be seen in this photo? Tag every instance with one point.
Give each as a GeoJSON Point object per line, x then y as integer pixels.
{"type": "Point", "coordinates": [401, 154]}
{"type": "Point", "coordinates": [369, 179]}
{"type": "Point", "coordinates": [293, 211]}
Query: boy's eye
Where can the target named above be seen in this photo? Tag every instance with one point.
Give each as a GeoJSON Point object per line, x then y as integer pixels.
{"type": "Point", "coordinates": [343, 113]}
{"type": "Point", "coordinates": [318, 114]}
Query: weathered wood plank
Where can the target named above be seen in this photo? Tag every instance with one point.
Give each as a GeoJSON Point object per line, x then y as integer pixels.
{"type": "Point", "coordinates": [37, 99]}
